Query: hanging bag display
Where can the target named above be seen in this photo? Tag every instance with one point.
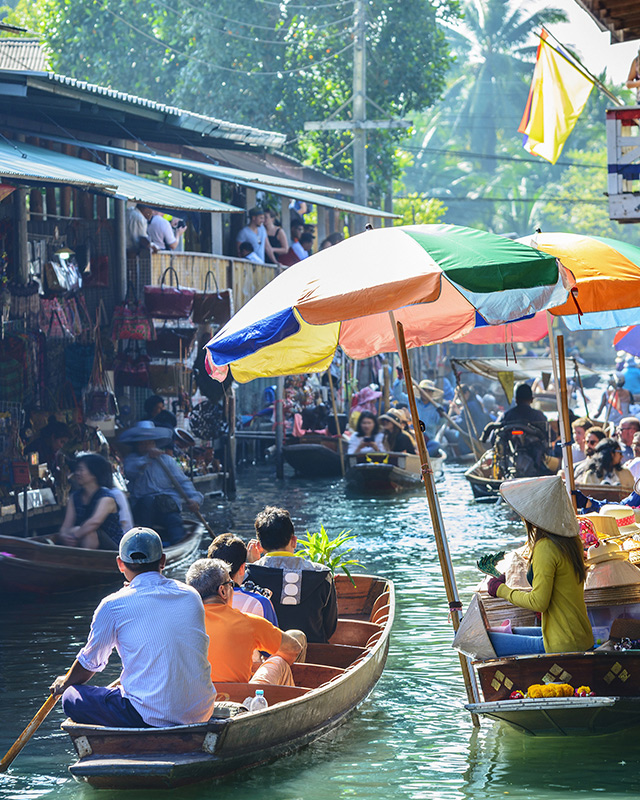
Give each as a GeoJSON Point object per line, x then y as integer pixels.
{"type": "Point", "coordinates": [212, 307]}
{"type": "Point", "coordinates": [132, 370]}
{"type": "Point", "coordinates": [168, 301]}
{"type": "Point", "coordinates": [131, 321]}
{"type": "Point", "coordinates": [25, 303]}
{"type": "Point", "coordinates": [172, 341]}
{"type": "Point", "coordinates": [53, 320]}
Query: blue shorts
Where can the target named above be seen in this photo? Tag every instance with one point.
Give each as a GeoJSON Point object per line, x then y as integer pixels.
{"type": "Point", "coordinates": [99, 705]}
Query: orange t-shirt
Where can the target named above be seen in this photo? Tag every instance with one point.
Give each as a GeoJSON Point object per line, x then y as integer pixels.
{"type": "Point", "coordinates": [233, 636]}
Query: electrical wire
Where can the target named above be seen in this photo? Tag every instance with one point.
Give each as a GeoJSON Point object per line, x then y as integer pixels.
{"type": "Point", "coordinates": [487, 157]}
{"type": "Point", "coordinates": [563, 200]}
{"type": "Point", "coordinates": [256, 39]}
{"type": "Point", "coordinates": [337, 4]}
{"type": "Point", "coordinates": [333, 156]}
{"type": "Point", "coordinates": [277, 73]}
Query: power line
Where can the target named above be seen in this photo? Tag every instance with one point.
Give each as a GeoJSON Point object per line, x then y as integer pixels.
{"type": "Point", "coordinates": [277, 73]}
{"type": "Point", "coordinates": [564, 200]}
{"type": "Point", "coordinates": [488, 157]}
{"type": "Point", "coordinates": [256, 39]}
{"type": "Point", "coordinates": [305, 7]}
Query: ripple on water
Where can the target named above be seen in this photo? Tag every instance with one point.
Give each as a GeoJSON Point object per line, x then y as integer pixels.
{"type": "Point", "coordinates": [412, 739]}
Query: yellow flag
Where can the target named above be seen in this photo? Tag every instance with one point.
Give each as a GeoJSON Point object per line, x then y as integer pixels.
{"type": "Point", "coordinates": [559, 92]}
{"type": "Point", "coordinates": [506, 381]}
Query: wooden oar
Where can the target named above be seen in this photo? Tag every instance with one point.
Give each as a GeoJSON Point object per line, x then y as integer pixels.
{"type": "Point", "coordinates": [28, 732]}
{"type": "Point", "coordinates": [183, 494]}
{"type": "Point", "coordinates": [474, 443]}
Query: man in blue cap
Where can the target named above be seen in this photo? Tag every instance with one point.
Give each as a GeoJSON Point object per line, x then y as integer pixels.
{"type": "Point", "coordinates": [157, 626]}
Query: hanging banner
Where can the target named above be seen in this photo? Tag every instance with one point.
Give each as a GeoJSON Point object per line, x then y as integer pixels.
{"type": "Point", "coordinates": [506, 381]}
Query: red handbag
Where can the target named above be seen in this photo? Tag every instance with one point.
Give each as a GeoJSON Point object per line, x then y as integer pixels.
{"type": "Point", "coordinates": [210, 307]}
{"type": "Point", "coordinates": [168, 302]}
{"type": "Point", "coordinates": [132, 370]}
{"type": "Point", "coordinates": [131, 322]}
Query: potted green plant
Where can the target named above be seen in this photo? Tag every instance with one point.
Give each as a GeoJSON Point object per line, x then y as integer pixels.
{"type": "Point", "coordinates": [320, 548]}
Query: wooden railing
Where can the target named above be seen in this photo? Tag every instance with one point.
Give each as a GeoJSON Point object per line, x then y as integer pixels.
{"type": "Point", "coordinates": [244, 277]}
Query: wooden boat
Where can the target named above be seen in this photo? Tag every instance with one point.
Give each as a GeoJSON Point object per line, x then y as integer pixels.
{"type": "Point", "coordinates": [377, 474]}
{"type": "Point", "coordinates": [40, 520]}
{"type": "Point", "coordinates": [336, 678]}
{"type": "Point", "coordinates": [613, 677]}
{"type": "Point", "coordinates": [38, 566]}
{"type": "Point", "coordinates": [313, 455]}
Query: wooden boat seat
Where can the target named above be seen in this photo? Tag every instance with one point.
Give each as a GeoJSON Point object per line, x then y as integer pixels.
{"type": "Point", "coordinates": [313, 675]}
{"type": "Point", "coordinates": [354, 632]}
{"type": "Point", "coordinates": [236, 692]}
{"type": "Point", "coordinates": [333, 655]}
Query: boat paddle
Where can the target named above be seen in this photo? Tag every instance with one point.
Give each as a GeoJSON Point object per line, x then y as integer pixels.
{"type": "Point", "coordinates": [474, 443]}
{"type": "Point", "coordinates": [183, 494]}
{"type": "Point", "coordinates": [40, 716]}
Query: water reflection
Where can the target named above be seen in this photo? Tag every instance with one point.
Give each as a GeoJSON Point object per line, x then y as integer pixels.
{"type": "Point", "coordinates": [411, 739]}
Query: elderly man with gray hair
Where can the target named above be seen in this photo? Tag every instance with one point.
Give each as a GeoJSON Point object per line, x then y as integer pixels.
{"type": "Point", "coordinates": [234, 636]}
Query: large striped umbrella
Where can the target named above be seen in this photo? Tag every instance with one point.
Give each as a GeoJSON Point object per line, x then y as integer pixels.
{"type": "Point", "coordinates": [607, 273]}
{"type": "Point", "coordinates": [628, 339]}
{"type": "Point", "coordinates": [438, 280]}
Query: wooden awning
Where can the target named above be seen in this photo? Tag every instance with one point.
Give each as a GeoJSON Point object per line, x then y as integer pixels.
{"type": "Point", "coordinates": [620, 17]}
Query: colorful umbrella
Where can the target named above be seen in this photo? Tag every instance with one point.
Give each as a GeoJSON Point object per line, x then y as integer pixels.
{"type": "Point", "coordinates": [607, 273]}
{"type": "Point", "coordinates": [628, 339]}
{"type": "Point", "coordinates": [440, 281]}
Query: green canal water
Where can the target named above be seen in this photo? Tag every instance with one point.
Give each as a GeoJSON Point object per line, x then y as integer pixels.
{"type": "Point", "coordinates": [411, 739]}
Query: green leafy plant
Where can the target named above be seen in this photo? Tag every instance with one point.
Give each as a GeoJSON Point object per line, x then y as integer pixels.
{"type": "Point", "coordinates": [320, 548]}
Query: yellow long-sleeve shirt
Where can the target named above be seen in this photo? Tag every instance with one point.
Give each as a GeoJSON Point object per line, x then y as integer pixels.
{"type": "Point", "coordinates": [558, 595]}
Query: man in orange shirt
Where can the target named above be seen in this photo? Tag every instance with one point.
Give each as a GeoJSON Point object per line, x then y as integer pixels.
{"type": "Point", "coordinates": [234, 636]}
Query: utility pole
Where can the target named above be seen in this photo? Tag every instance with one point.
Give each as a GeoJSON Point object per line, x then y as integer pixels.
{"type": "Point", "coordinates": [359, 124]}
{"type": "Point", "coordinates": [360, 106]}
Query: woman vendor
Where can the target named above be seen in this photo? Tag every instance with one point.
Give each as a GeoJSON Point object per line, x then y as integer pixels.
{"type": "Point", "coordinates": [557, 572]}
{"type": "Point", "coordinates": [92, 519]}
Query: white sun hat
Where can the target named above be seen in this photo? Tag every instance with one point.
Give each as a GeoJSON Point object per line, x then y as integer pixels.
{"type": "Point", "coordinates": [624, 517]}
{"type": "Point", "coordinates": [543, 502]}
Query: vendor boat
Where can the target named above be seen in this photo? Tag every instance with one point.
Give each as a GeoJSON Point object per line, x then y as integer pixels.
{"type": "Point", "coordinates": [39, 566]}
{"type": "Point", "coordinates": [379, 474]}
{"type": "Point", "coordinates": [335, 679]}
{"type": "Point", "coordinates": [313, 455]}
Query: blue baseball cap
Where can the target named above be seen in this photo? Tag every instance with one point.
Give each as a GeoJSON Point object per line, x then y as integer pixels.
{"type": "Point", "coordinates": [140, 546]}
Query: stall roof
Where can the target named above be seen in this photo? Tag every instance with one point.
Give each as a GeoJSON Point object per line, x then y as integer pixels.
{"type": "Point", "coordinates": [19, 163]}
{"type": "Point", "coordinates": [253, 180]}
{"type": "Point", "coordinates": [524, 368]}
{"type": "Point", "coordinates": [620, 17]}
{"type": "Point", "coordinates": [101, 177]}
{"type": "Point", "coordinates": [77, 105]}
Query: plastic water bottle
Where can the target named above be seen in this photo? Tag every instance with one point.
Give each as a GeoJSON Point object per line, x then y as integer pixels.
{"type": "Point", "coordinates": [257, 702]}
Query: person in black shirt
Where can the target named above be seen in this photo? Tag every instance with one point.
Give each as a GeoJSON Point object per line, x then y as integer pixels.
{"type": "Point", "coordinates": [395, 439]}
{"type": "Point", "coordinates": [522, 412]}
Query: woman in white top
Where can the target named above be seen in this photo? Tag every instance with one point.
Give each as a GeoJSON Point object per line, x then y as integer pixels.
{"type": "Point", "coordinates": [367, 438]}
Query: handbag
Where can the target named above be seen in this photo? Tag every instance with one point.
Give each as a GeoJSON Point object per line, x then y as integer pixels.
{"type": "Point", "coordinates": [168, 380]}
{"type": "Point", "coordinates": [172, 340]}
{"type": "Point", "coordinates": [131, 322]}
{"type": "Point", "coordinates": [131, 370]}
{"type": "Point", "coordinates": [209, 307]}
{"type": "Point", "coordinates": [168, 302]}
{"type": "Point", "coordinates": [53, 320]}
{"type": "Point", "coordinates": [25, 303]}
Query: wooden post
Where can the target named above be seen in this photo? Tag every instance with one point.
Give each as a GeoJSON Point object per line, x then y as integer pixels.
{"type": "Point", "coordinates": [22, 249]}
{"type": "Point", "coordinates": [566, 424]}
{"type": "Point", "coordinates": [321, 230]}
{"type": "Point", "coordinates": [335, 416]}
{"type": "Point", "coordinates": [279, 427]}
{"type": "Point", "coordinates": [442, 545]}
{"type": "Point", "coordinates": [215, 193]}
{"type": "Point", "coordinates": [285, 216]}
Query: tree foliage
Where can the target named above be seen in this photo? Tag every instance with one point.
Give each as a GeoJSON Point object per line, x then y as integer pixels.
{"type": "Point", "coordinates": [263, 63]}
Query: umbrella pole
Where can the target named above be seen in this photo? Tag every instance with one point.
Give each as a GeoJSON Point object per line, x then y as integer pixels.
{"type": "Point", "coordinates": [568, 433]}
{"type": "Point", "coordinates": [335, 416]}
{"type": "Point", "coordinates": [584, 397]}
{"type": "Point", "coordinates": [455, 607]}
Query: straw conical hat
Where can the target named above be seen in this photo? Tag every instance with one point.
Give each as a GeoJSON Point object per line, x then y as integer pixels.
{"type": "Point", "coordinates": [614, 572]}
{"type": "Point", "coordinates": [543, 502]}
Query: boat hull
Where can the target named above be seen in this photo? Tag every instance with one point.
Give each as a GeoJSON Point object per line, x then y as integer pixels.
{"type": "Point", "coordinates": [36, 566]}
{"type": "Point", "coordinates": [387, 474]}
{"type": "Point", "coordinates": [313, 460]}
{"type": "Point", "coordinates": [325, 695]}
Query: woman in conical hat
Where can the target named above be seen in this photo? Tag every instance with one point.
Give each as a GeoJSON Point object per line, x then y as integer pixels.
{"type": "Point", "coordinates": [558, 571]}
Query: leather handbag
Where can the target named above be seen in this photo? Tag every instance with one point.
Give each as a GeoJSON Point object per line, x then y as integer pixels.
{"type": "Point", "coordinates": [168, 380]}
{"type": "Point", "coordinates": [168, 302]}
{"type": "Point", "coordinates": [172, 341]}
{"type": "Point", "coordinates": [131, 370]}
{"type": "Point", "coordinates": [212, 307]}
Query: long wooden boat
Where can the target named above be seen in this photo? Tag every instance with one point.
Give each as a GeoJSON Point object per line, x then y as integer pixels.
{"type": "Point", "coordinates": [379, 474]}
{"type": "Point", "coordinates": [335, 679]}
{"type": "Point", "coordinates": [38, 566]}
{"type": "Point", "coordinates": [314, 455]}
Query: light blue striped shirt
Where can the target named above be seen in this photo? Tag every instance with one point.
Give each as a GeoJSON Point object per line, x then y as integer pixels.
{"type": "Point", "coordinates": [157, 626]}
{"type": "Point", "coordinates": [147, 477]}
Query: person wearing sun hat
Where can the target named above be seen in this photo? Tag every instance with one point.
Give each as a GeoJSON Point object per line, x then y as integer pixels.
{"type": "Point", "coordinates": [428, 398]}
{"type": "Point", "coordinates": [396, 440]}
{"type": "Point", "coordinates": [558, 567]}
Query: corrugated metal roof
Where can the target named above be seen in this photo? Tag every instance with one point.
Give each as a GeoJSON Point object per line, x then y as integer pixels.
{"type": "Point", "coordinates": [23, 54]}
{"type": "Point", "coordinates": [123, 184]}
{"type": "Point", "coordinates": [45, 167]}
{"type": "Point", "coordinates": [278, 186]}
{"type": "Point", "coordinates": [201, 123]}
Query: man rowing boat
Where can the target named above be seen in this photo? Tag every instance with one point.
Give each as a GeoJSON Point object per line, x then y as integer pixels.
{"type": "Point", "coordinates": [165, 679]}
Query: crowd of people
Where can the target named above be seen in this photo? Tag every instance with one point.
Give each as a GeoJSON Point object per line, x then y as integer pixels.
{"type": "Point", "coordinates": [244, 614]}
{"type": "Point", "coordinates": [263, 240]}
